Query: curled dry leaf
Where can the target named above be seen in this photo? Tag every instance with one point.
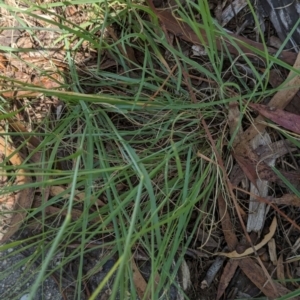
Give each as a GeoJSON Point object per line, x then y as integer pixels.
{"type": "Point", "coordinates": [13, 205]}
{"type": "Point", "coordinates": [267, 237]}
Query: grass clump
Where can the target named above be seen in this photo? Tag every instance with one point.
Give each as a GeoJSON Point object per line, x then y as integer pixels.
{"type": "Point", "coordinates": [127, 140]}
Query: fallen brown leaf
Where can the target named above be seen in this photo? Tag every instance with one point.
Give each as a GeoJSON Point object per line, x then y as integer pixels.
{"type": "Point", "coordinates": [13, 205]}
{"type": "Point", "coordinates": [183, 31]}
{"type": "Point", "coordinates": [265, 240]}
{"type": "Point", "coordinates": [280, 100]}
{"type": "Point", "coordinates": [227, 227]}
{"type": "Point", "coordinates": [254, 272]}
{"type": "Point", "coordinates": [79, 196]}
{"type": "Point", "coordinates": [283, 118]}
{"type": "Point", "coordinates": [250, 161]}
{"type": "Point", "coordinates": [138, 280]}
{"type": "Point", "coordinates": [226, 276]}
{"type": "Point", "coordinates": [20, 128]}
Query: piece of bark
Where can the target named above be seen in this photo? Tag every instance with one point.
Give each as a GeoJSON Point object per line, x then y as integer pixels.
{"type": "Point", "coordinates": [257, 210]}
{"type": "Point", "coordinates": [232, 10]}
{"type": "Point", "coordinates": [284, 14]}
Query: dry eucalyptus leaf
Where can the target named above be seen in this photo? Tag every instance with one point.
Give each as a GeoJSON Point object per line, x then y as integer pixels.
{"type": "Point", "coordinates": [256, 274]}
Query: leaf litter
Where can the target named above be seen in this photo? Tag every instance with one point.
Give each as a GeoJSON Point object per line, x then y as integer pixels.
{"type": "Point", "coordinates": [250, 164]}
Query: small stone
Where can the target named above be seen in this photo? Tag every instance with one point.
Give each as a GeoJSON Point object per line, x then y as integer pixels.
{"type": "Point", "coordinates": [25, 297]}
